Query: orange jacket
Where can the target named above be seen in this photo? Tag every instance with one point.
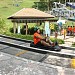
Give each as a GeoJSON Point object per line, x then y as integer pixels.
{"type": "Point", "coordinates": [69, 28]}
{"type": "Point", "coordinates": [37, 38]}
{"type": "Point", "coordinates": [73, 29]}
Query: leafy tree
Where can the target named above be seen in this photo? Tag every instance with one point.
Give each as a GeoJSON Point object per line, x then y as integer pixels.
{"type": "Point", "coordinates": [44, 5]}
{"type": "Point", "coordinates": [41, 6]}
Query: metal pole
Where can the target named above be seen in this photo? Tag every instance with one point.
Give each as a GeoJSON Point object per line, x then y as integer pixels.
{"type": "Point", "coordinates": [65, 2]}
{"type": "Point", "coordinates": [69, 0]}
{"type": "Point", "coordinates": [48, 5]}
{"type": "Point", "coordinates": [37, 5]}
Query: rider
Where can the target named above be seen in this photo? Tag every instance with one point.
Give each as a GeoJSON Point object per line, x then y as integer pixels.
{"type": "Point", "coordinates": [39, 40]}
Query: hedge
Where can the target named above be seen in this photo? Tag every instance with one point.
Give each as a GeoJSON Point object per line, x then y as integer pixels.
{"type": "Point", "coordinates": [30, 37]}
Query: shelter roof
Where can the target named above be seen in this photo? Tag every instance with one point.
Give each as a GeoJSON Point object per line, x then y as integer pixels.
{"type": "Point", "coordinates": [30, 13]}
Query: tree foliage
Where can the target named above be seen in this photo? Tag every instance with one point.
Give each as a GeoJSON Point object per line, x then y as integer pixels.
{"type": "Point", "coordinates": [41, 6]}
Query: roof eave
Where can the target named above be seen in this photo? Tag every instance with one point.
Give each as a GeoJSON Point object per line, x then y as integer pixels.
{"type": "Point", "coordinates": [21, 17]}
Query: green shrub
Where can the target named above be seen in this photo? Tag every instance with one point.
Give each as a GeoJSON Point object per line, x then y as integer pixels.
{"type": "Point", "coordinates": [2, 26]}
{"type": "Point", "coordinates": [60, 41]}
{"type": "Point", "coordinates": [11, 30]}
{"type": "Point", "coordinates": [23, 31]}
{"type": "Point", "coordinates": [28, 37]}
{"type": "Point", "coordinates": [31, 31]}
{"type": "Point", "coordinates": [73, 45]}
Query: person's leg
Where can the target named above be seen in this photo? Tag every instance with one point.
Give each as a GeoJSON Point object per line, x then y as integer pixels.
{"type": "Point", "coordinates": [69, 33]}
{"type": "Point", "coordinates": [74, 33]}
{"type": "Point", "coordinates": [50, 42]}
{"type": "Point", "coordinates": [45, 43]}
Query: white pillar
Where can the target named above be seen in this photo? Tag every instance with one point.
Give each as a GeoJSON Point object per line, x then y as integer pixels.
{"type": "Point", "coordinates": [47, 29]}
{"type": "Point", "coordinates": [18, 30]}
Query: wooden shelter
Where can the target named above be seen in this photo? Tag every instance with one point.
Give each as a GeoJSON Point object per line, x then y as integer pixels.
{"type": "Point", "coordinates": [29, 15]}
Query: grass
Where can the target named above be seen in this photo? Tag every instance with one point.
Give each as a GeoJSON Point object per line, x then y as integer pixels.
{"type": "Point", "coordinates": [7, 9]}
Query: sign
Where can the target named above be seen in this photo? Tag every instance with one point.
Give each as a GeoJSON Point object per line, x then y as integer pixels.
{"type": "Point", "coordinates": [51, 26]}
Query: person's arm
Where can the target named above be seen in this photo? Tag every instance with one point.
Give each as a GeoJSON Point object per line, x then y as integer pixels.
{"type": "Point", "coordinates": [40, 37]}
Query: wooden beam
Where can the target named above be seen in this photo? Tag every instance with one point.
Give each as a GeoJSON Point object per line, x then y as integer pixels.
{"type": "Point", "coordinates": [26, 28]}
{"type": "Point", "coordinates": [14, 27]}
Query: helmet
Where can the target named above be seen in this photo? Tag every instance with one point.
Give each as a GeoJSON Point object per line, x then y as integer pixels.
{"type": "Point", "coordinates": [36, 28]}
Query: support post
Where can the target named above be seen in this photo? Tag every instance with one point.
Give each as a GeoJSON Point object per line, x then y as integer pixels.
{"type": "Point", "coordinates": [56, 34]}
{"type": "Point", "coordinates": [14, 27]}
{"type": "Point", "coordinates": [18, 30]}
{"type": "Point", "coordinates": [26, 28]}
{"type": "Point", "coordinates": [47, 29]}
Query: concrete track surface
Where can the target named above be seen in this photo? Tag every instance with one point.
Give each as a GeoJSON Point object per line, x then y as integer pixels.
{"type": "Point", "coordinates": [17, 61]}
